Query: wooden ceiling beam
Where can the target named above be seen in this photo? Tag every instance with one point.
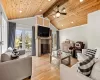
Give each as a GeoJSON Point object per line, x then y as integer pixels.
{"type": "Point", "coordinates": [58, 2]}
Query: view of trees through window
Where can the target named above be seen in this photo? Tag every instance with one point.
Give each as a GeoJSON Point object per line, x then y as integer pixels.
{"type": "Point", "coordinates": [28, 40]}
{"type": "Point", "coordinates": [18, 39]}
{"type": "Point", "coordinates": [23, 40]}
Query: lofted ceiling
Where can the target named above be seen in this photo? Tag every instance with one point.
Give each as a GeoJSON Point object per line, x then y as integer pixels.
{"type": "Point", "coordinates": [15, 9]}
{"type": "Point", "coordinates": [76, 11]}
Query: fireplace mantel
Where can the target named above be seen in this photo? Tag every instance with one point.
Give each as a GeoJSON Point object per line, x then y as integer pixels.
{"type": "Point", "coordinates": [45, 37]}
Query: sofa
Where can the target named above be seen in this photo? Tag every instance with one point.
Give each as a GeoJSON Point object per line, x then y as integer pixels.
{"type": "Point", "coordinates": [70, 73]}
{"type": "Point", "coordinates": [67, 73]}
{"type": "Point", "coordinates": [16, 69]}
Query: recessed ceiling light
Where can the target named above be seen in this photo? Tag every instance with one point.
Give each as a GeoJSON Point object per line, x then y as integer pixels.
{"type": "Point", "coordinates": [40, 10]}
{"type": "Point", "coordinates": [54, 16]}
{"type": "Point", "coordinates": [72, 22]}
{"type": "Point", "coordinates": [20, 11]}
{"type": "Point", "coordinates": [49, 0]}
{"type": "Point", "coordinates": [81, 0]}
{"type": "Point", "coordinates": [62, 25]}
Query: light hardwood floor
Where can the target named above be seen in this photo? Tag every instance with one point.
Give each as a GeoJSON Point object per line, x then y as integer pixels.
{"type": "Point", "coordinates": [43, 70]}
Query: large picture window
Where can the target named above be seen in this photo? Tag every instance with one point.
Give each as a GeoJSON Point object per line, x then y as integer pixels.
{"type": "Point", "coordinates": [18, 39]}
{"type": "Point", "coordinates": [28, 40]}
{"type": "Point", "coordinates": [23, 39]}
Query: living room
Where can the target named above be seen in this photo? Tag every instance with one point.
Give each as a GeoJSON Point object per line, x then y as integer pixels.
{"type": "Point", "coordinates": [49, 40]}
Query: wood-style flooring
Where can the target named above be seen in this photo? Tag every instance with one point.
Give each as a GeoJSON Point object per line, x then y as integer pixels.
{"type": "Point", "coordinates": [43, 70]}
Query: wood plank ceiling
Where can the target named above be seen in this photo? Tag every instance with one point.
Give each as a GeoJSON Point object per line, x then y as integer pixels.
{"type": "Point", "coordinates": [76, 11]}
{"type": "Point", "coordinates": [15, 9]}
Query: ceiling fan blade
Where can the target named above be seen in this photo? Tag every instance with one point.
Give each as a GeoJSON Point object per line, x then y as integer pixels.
{"type": "Point", "coordinates": [54, 11]}
{"type": "Point", "coordinates": [58, 8]}
{"type": "Point", "coordinates": [51, 14]}
{"type": "Point", "coordinates": [63, 9]}
{"type": "Point", "coordinates": [63, 13]}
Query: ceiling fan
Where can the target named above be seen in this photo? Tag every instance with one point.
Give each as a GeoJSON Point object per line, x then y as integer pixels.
{"type": "Point", "coordinates": [59, 12]}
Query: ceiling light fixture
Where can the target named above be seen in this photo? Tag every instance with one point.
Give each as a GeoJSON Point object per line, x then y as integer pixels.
{"type": "Point", "coordinates": [20, 11]}
{"type": "Point", "coordinates": [72, 22]}
{"type": "Point", "coordinates": [57, 14]}
{"type": "Point", "coordinates": [49, 0]}
{"type": "Point", "coordinates": [62, 25]}
{"type": "Point", "coordinates": [40, 10]}
{"type": "Point", "coordinates": [81, 0]}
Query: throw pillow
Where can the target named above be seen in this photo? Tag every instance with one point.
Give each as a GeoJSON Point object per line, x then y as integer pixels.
{"type": "Point", "coordinates": [5, 57]}
{"type": "Point", "coordinates": [85, 67]}
{"type": "Point", "coordinates": [91, 52]}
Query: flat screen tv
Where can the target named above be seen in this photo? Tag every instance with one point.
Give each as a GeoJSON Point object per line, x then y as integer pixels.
{"type": "Point", "coordinates": [43, 31]}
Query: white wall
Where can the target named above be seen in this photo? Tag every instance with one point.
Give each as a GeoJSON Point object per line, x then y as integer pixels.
{"type": "Point", "coordinates": [93, 30]}
{"type": "Point", "coordinates": [75, 34]}
{"type": "Point", "coordinates": [89, 33]}
{"type": "Point", "coordinates": [0, 36]}
{"type": "Point", "coordinates": [4, 34]}
{"type": "Point", "coordinates": [23, 27]}
{"type": "Point", "coordinates": [29, 22]}
{"type": "Point", "coordinates": [25, 21]}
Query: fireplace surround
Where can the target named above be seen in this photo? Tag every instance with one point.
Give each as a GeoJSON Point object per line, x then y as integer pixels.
{"type": "Point", "coordinates": [43, 45]}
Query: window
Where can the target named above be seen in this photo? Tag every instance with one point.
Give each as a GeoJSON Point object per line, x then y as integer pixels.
{"type": "Point", "coordinates": [23, 39]}
{"type": "Point", "coordinates": [54, 40]}
{"type": "Point", "coordinates": [18, 39]}
{"type": "Point", "coordinates": [28, 40]}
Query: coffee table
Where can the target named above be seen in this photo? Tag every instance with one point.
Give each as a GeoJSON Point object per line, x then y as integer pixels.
{"type": "Point", "coordinates": [61, 56]}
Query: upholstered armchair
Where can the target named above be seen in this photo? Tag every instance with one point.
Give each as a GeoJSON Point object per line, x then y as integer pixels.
{"type": "Point", "coordinates": [66, 45]}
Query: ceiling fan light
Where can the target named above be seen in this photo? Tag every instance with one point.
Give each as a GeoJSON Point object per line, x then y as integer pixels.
{"type": "Point", "coordinates": [58, 15]}
{"type": "Point", "coordinates": [64, 10]}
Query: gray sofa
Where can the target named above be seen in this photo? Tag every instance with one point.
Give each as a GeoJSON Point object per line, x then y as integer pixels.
{"type": "Point", "coordinates": [17, 69]}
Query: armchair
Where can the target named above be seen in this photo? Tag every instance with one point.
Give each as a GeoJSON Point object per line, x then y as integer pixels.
{"type": "Point", "coordinates": [66, 45]}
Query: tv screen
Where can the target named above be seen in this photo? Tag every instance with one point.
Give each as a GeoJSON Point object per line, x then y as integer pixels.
{"type": "Point", "coordinates": [43, 31]}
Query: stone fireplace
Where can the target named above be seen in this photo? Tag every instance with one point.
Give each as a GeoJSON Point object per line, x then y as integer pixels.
{"type": "Point", "coordinates": [44, 45]}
